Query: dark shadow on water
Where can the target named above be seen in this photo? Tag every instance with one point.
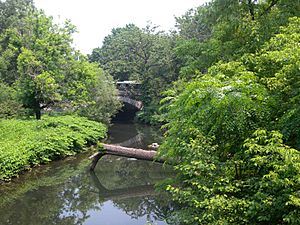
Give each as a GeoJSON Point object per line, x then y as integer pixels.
{"type": "Point", "coordinates": [126, 114]}
{"type": "Point", "coordinates": [133, 135]}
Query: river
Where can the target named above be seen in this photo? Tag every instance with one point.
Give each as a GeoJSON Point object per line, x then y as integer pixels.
{"type": "Point", "coordinates": [119, 192]}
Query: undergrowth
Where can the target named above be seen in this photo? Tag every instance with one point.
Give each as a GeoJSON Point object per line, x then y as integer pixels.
{"type": "Point", "coordinates": [26, 143]}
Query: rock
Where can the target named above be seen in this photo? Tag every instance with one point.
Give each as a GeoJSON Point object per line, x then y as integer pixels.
{"type": "Point", "coordinates": [153, 146]}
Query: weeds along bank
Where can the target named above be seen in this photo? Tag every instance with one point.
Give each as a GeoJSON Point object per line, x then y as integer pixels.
{"type": "Point", "coordinates": [26, 143]}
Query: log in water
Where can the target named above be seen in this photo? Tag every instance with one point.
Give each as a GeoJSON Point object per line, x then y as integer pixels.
{"type": "Point", "coordinates": [117, 150]}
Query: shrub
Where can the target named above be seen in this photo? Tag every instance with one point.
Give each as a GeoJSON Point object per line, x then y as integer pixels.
{"type": "Point", "coordinates": [9, 106]}
{"type": "Point", "coordinates": [25, 143]}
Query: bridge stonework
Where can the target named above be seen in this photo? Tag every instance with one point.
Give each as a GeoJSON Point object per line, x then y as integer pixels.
{"type": "Point", "coordinates": [135, 103]}
{"type": "Point", "coordinates": [128, 90]}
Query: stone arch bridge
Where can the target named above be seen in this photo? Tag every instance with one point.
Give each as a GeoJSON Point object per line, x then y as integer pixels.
{"type": "Point", "coordinates": [129, 91]}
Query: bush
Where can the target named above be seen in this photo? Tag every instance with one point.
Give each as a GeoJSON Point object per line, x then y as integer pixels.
{"type": "Point", "coordinates": [260, 185]}
{"type": "Point", "coordinates": [234, 167]}
{"type": "Point", "coordinates": [25, 143]}
{"type": "Point", "coordinates": [9, 106]}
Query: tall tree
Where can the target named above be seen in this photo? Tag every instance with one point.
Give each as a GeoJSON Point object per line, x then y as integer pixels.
{"type": "Point", "coordinates": [12, 11]}
{"type": "Point", "coordinates": [122, 52]}
{"type": "Point", "coordinates": [46, 50]}
{"type": "Point", "coordinates": [145, 55]}
{"type": "Point", "coordinates": [12, 22]}
{"type": "Point", "coordinates": [234, 166]}
{"type": "Point", "coordinates": [37, 58]}
{"type": "Point", "coordinates": [225, 30]}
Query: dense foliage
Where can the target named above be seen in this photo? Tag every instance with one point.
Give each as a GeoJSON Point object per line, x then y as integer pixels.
{"type": "Point", "coordinates": [25, 143]}
{"type": "Point", "coordinates": [235, 133]}
{"type": "Point", "coordinates": [143, 55]}
{"type": "Point", "coordinates": [230, 78]}
{"type": "Point", "coordinates": [38, 61]}
{"type": "Point", "coordinates": [9, 104]}
{"type": "Point", "coordinates": [232, 113]}
{"type": "Point", "coordinates": [258, 185]}
{"type": "Point", "coordinates": [226, 30]}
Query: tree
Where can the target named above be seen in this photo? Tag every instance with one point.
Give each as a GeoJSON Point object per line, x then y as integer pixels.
{"type": "Point", "coordinates": [46, 49]}
{"type": "Point", "coordinates": [234, 166]}
{"type": "Point", "coordinates": [37, 58]}
{"type": "Point", "coordinates": [12, 11]}
{"type": "Point", "coordinates": [195, 24]}
{"type": "Point", "coordinates": [12, 24]}
{"type": "Point", "coordinates": [226, 30]}
{"type": "Point", "coordinates": [9, 105]}
{"type": "Point", "coordinates": [145, 55]}
{"type": "Point", "coordinates": [227, 105]}
{"type": "Point", "coordinates": [122, 52]}
{"type": "Point", "coordinates": [277, 64]}
{"type": "Point", "coordinates": [101, 101]}
{"type": "Point", "coordinates": [257, 186]}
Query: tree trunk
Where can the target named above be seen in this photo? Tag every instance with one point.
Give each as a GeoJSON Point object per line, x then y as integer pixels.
{"type": "Point", "coordinates": [37, 109]}
{"type": "Point", "coordinates": [38, 114]}
{"type": "Point", "coordinates": [142, 154]}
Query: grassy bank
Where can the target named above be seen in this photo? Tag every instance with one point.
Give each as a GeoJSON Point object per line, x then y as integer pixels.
{"type": "Point", "coordinates": [25, 143]}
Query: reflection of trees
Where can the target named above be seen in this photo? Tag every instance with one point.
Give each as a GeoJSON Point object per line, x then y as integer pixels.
{"type": "Point", "coordinates": [152, 207]}
{"type": "Point", "coordinates": [121, 193]}
{"type": "Point", "coordinates": [139, 135]}
{"type": "Point", "coordinates": [151, 134]}
{"type": "Point", "coordinates": [137, 140]}
{"type": "Point", "coordinates": [136, 201]}
{"type": "Point", "coordinates": [58, 194]}
{"type": "Point", "coordinates": [67, 192]}
{"type": "Point", "coordinates": [78, 198]}
{"type": "Point", "coordinates": [115, 172]}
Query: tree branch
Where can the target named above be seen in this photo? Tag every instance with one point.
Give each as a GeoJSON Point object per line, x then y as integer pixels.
{"type": "Point", "coordinates": [273, 3]}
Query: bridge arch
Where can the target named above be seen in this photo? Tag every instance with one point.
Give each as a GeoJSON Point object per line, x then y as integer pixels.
{"type": "Point", "coordinates": [128, 91]}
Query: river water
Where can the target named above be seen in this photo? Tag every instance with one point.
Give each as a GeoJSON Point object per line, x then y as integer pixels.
{"type": "Point", "coordinates": [119, 192]}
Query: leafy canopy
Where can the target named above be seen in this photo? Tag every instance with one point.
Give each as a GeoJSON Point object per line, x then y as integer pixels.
{"type": "Point", "coordinates": [234, 166]}
{"type": "Point", "coordinates": [37, 59]}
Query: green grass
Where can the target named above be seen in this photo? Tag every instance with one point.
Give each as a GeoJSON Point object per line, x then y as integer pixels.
{"type": "Point", "coordinates": [25, 143]}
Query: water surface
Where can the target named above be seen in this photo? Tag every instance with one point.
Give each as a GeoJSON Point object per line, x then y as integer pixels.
{"type": "Point", "coordinates": [119, 192]}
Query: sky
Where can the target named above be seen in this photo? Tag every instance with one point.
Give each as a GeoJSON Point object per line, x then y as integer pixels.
{"type": "Point", "coordinates": [95, 19]}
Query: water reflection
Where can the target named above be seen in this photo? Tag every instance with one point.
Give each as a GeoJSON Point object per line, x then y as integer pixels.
{"type": "Point", "coordinates": [137, 201]}
{"type": "Point", "coordinates": [133, 135]}
{"type": "Point", "coordinates": [120, 191]}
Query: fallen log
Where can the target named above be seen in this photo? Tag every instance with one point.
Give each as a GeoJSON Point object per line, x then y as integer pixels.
{"type": "Point", "coordinates": [117, 150]}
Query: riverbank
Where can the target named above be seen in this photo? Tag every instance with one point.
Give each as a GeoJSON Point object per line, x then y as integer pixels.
{"type": "Point", "coordinates": [26, 143]}
{"type": "Point", "coordinates": [65, 191]}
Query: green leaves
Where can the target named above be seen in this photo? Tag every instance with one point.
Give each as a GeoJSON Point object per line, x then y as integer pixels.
{"type": "Point", "coordinates": [25, 143]}
{"type": "Point", "coordinates": [144, 55]}
{"type": "Point", "coordinates": [234, 167]}
{"type": "Point", "coordinates": [37, 58]}
{"type": "Point", "coordinates": [226, 30]}
{"type": "Point", "coordinates": [9, 105]}
{"type": "Point", "coordinates": [226, 104]}
{"type": "Point", "coordinates": [276, 169]}
{"type": "Point", "coordinates": [101, 98]}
